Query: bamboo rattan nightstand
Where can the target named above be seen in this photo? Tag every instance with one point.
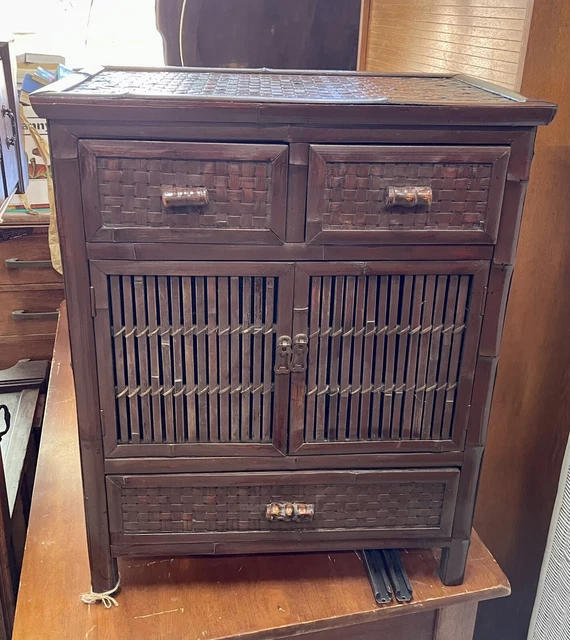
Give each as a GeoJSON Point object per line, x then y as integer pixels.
{"type": "Point", "coordinates": [286, 293]}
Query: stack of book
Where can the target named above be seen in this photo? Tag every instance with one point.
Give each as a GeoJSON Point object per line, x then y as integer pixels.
{"type": "Point", "coordinates": [35, 70]}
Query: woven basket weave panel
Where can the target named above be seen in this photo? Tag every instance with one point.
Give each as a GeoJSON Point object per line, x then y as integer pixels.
{"type": "Point", "coordinates": [202, 509]}
{"type": "Point", "coordinates": [283, 87]}
{"type": "Point", "coordinates": [354, 196]}
{"type": "Point", "coordinates": [130, 192]}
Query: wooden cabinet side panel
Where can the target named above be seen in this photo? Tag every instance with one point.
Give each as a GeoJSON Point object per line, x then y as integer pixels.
{"type": "Point", "coordinates": [72, 238]}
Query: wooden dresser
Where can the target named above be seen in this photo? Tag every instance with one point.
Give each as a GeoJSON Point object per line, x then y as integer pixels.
{"type": "Point", "coordinates": [286, 294]}
{"type": "Point", "coordinates": [30, 290]}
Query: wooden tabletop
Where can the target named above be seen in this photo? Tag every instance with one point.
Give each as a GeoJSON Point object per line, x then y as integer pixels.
{"type": "Point", "coordinates": [205, 598]}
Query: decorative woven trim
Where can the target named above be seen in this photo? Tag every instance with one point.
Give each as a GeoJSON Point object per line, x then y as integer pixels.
{"type": "Point", "coordinates": [328, 390]}
{"type": "Point", "coordinates": [185, 331]}
{"type": "Point", "coordinates": [131, 393]}
{"type": "Point", "coordinates": [378, 331]}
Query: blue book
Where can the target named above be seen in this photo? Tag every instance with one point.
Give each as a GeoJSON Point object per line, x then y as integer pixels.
{"type": "Point", "coordinates": [29, 84]}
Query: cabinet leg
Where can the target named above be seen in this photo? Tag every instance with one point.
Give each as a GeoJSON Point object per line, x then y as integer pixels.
{"type": "Point", "coordinates": [101, 582]}
{"type": "Point", "coordinates": [453, 561]}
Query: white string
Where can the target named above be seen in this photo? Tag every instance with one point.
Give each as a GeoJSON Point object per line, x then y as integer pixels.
{"type": "Point", "coordinates": [106, 597]}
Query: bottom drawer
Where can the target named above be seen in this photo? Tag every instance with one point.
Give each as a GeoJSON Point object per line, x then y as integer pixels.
{"type": "Point", "coordinates": [25, 255]}
{"type": "Point", "coordinates": [30, 309]}
{"type": "Point", "coordinates": [31, 347]}
{"type": "Point", "coordinates": [407, 503]}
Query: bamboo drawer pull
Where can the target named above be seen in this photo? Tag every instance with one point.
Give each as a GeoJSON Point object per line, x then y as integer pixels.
{"type": "Point", "coordinates": [185, 197]}
{"type": "Point", "coordinates": [409, 196]}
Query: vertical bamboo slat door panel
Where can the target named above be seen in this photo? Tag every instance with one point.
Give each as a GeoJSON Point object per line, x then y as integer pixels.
{"type": "Point", "coordinates": [286, 294]}
{"type": "Point", "coordinates": [192, 356]}
{"type": "Point", "coordinates": [391, 352]}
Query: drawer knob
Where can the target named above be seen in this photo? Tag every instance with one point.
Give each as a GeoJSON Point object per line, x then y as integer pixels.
{"type": "Point", "coordinates": [289, 512]}
{"type": "Point", "coordinates": [185, 197]}
{"type": "Point", "coordinates": [408, 197]}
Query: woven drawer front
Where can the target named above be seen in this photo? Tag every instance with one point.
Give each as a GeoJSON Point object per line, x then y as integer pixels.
{"type": "Point", "coordinates": [349, 185]}
{"type": "Point", "coordinates": [399, 500]}
{"type": "Point", "coordinates": [130, 192]}
{"type": "Point", "coordinates": [245, 187]}
{"type": "Point", "coordinates": [354, 194]}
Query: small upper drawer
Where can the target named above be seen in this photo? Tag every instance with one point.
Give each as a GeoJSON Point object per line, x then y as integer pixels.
{"type": "Point", "coordinates": [137, 191]}
{"type": "Point", "coordinates": [407, 194]}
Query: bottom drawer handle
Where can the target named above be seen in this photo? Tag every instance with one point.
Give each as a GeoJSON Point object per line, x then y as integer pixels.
{"type": "Point", "coordinates": [16, 263]}
{"type": "Point", "coordinates": [34, 315]}
{"type": "Point", "coordinates": [290, 511]}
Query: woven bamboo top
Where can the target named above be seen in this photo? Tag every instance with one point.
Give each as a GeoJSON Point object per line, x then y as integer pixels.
{"type": "Point", "coordinates": [306, 87]}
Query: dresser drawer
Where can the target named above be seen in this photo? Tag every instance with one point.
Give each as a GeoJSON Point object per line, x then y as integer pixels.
{"type": "Point", "coordinates": [409, 503]}
{"type": "Point", "coordinates": [29, 347]}
{"type": "Point", "coordinates": [27, 310]}
{"type": "Point", "coordinates": [25, 257]}
{"type": "Point", "coordinates": [405, 194]}
{"type": "Point", "coordinates": [184, 192]}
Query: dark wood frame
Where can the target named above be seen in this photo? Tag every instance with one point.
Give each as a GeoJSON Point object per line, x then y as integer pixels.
{"type": "Point", "coordinates": [81, 118]}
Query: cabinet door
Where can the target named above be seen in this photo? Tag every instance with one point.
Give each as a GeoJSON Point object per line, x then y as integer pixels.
{"type": "Point", "coordinates": [187, 357]}
{"type": "Point", "coordinates": [389, 356]}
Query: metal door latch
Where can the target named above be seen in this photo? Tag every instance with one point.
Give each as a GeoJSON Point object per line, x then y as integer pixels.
{"type": "Point", "coordinates": [299, 354]}
{"type": "Point", "coordinates": [291, 354]}
{"type": "Point", "coordinates": [283, 355]}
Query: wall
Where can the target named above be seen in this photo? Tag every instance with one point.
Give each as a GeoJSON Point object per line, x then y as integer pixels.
{"type": "Point", "coordinates": [530, 418]}
{"type": "Point", "coordinates": [86, 32]}
{"type": "Point", "coordinates": [484, 38]}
